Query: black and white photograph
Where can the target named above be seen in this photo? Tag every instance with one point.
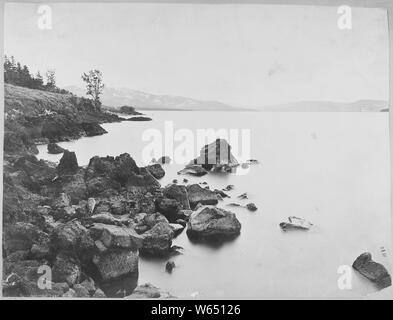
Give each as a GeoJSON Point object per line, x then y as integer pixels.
{"type": "Point", "coordinates": [195, 151]}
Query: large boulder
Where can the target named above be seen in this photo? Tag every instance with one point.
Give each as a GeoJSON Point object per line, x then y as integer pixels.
{"type": "Point", "coordinates": [212, 222]}
{"type": "Point", "coordinates": [179, 193]}
{"type": "Point", "coordinates": [197, 194]}
{"type": "Point", "coordinates": [66, 269]}
{"type": "Point", "coordinates": [217, 156]}
{"type": "Point", "coordinates": [372, 270]}
{"type": "Point", "coordinates": [73, 237]}
{"type": "Point", "coordinates": [36, 173]}
{"type": "Point", "coordinates": [108, 172]}
{"type": "Point", "coordinates": [116, 236]}
{"type": "Point", "coordinates": [68, 163]}
{"type": "Point", "coordinates": [116, 263]}
{"type": "Point", "coordinates": [157, 240]}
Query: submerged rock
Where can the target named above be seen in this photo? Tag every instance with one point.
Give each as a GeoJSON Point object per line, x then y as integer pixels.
{"type": "Point", "coordinates": [139, 119]}
{"type": "Point", "coordinates": [170, 265]}
{"type": "Point", "coordinates": [251, 207]}
{"type": "Point", "coordinates": [209, 222]}
{"type": "Point", "coordinates": [372, 270]}
{"type": "Point", "coordinates": [229, 187]}
{"type": "Point", "coordinates": [54, 148]}
{"type": "Point", "coordinates": [193, 169]}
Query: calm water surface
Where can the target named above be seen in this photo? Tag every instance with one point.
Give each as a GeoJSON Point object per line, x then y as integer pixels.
{"type": "Point", "coordinates": [330, 168]}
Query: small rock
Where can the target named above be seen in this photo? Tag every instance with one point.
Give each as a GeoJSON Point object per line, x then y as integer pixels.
{"type": "Point", "coordinates": [243, 196]}
{"type": "Point", "coordinates": [295, 223]}
{"type": "Point", "coordinates": [229, 187]}
{"type": "Point", "coordinates": [169, 266]}
{"type": "Point", "coordinates": [251, 206]}
{"type": "Point", "coordinates": [91, 204]}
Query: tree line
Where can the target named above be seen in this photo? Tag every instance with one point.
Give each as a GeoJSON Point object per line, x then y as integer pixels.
{"type": "Point", "coordinates": [16, 74]}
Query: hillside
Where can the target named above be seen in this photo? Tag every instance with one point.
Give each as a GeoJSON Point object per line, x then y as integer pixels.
{"type": "Point", "coordinates": [34, 116]}
{"type": "Point", "coordinates": [328, 106]}
{"type": "Point", "coordinates": [116, 97]}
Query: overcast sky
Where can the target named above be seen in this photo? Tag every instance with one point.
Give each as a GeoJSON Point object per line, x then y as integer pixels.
{"type": "Point", "coordinates": [245, 55]}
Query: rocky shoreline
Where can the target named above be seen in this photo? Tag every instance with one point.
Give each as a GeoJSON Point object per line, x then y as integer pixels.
{"type": "Point", "coordinates": [88, 225]}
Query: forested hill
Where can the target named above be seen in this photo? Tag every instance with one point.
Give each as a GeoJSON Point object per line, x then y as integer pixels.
{"type": "Point", "coordinates": [38, 116]}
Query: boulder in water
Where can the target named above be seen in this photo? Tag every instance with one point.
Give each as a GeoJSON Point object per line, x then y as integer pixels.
{"type": "Point", "coordinates": [372, 270]}
{"type": "Point", "coordinates": [216, 156]}
{"type": "Point", "coordinates": [212, 222]}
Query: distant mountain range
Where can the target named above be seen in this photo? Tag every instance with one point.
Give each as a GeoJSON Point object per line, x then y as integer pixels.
{"type": "Point", "coordinates": [328, 106]}
{"type": "Point", "coordinates": [117, 97]}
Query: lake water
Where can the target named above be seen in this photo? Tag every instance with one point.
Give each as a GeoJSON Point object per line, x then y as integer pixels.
{"type": "Point", "coordinates": [330, 168]}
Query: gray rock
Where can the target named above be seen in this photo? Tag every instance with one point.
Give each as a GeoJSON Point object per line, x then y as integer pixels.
{"type": "Point", "coordinates": [193, 169]}
{"type": "Point", "coordinates": [170, 265]}
{"type": "Point", "coordinates": [116, 236]}
{"type": "Point", "coordinates": [372, 270]}
{"type": "Point", "coordinates": [66, 269]}
{"type": "Point", "coordinates": [68, 163]}
{"type": "Point", "coordinates": [157, 240]}
{"type": "Point", "coordinates": [115, 264]}
{"type": "Point", "coordinates": [178, 193]}
{"type": "Point", "coordinates": [156, 170]}
{"type": "Point", "coordinates": [197, 194]}
{"type": "Point", "coordinates": [251, 207]}
{"type": "Point", "coordinates": [295, 223]}
{"type": "Point", "coordinates": [209, 222]}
